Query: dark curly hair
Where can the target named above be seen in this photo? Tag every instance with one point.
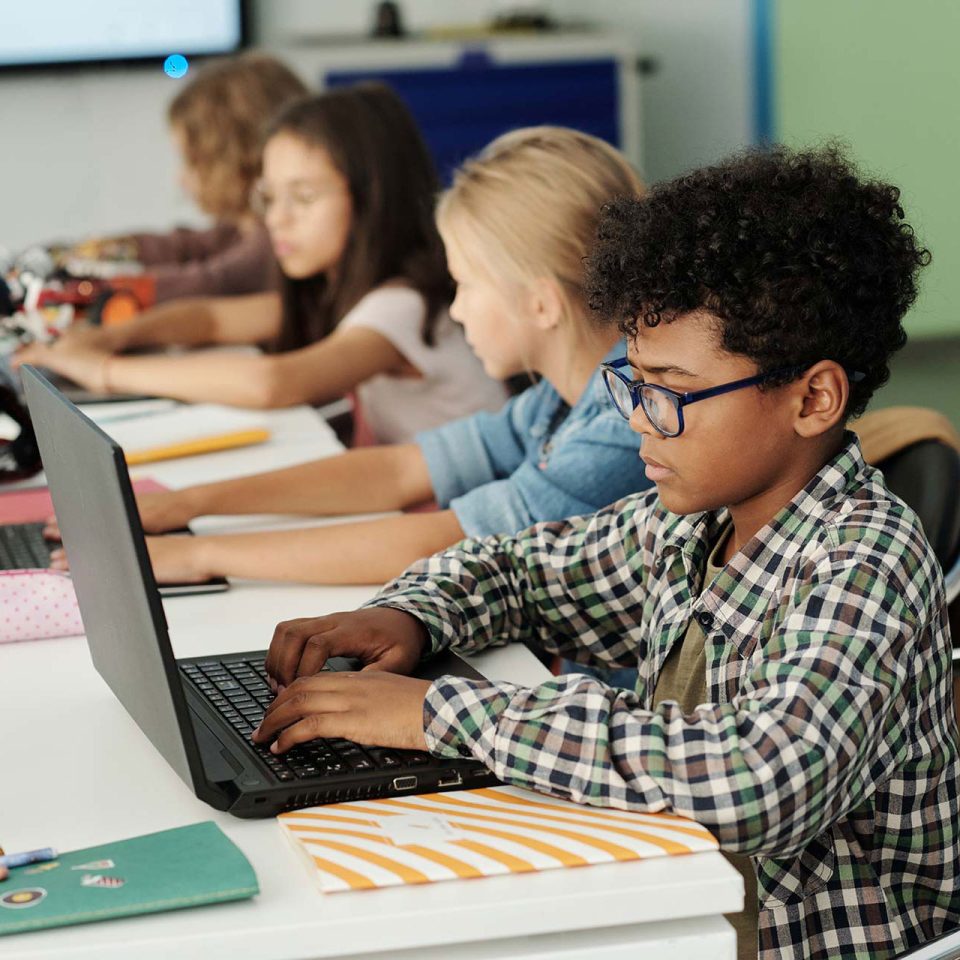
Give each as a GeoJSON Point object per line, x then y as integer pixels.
{"type": "Point", "coordinates": [799, 257]}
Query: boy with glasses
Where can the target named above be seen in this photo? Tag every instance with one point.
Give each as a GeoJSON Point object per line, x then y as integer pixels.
{"type": "Point", "coordinates": [785, 612]}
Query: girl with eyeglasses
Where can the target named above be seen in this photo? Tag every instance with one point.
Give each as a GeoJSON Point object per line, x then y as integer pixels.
{"type": "Point", "coordinates": [346, 194]}
{"type": "Point", "coordinates": [517, 224]}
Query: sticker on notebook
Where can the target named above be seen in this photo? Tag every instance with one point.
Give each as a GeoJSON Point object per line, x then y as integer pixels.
{"type": "Point", "coordinates": [42, 868]}
{"type": "Point", "coordinates": [98, 880]}
{"type": "Point", "coordinates": [421, 829]}
{"type": "Point", "coordinates": [25, 897]}
{"type": "Point", "coordinates": [95, 865]}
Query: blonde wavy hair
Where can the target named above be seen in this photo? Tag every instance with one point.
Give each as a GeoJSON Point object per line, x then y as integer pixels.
{"type": "Point", "coordinates": [221, 116]}
{"type": "Point", "coordinates": [527, 207]}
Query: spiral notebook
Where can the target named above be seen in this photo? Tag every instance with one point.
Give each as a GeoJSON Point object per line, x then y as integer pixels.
{"type": "Point", "coordinates": [467, 834]}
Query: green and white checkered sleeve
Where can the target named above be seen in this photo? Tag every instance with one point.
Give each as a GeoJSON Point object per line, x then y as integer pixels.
{"type": "Point", "coordinates": [558, 584]}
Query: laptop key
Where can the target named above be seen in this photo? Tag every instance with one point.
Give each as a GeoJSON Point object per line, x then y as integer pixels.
{"type": "Point", "coordinates": [359, 763]}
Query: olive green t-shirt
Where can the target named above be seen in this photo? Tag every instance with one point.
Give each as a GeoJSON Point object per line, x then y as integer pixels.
{"type": "Point", "coordinates": [684, 680]}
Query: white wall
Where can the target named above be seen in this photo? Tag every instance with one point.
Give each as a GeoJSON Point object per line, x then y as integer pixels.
{"type": "Point", "coordinates": [87, 151]}
{"type": "Point", "coordinates": [698, 106]}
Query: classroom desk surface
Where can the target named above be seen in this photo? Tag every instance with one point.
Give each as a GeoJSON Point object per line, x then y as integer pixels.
{"type": "Point", "coordinates": [77, 771]}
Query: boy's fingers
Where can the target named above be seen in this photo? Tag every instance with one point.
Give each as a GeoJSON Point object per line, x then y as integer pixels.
{"type": "Point", "coordinates": [297, 703]}
{"type": "Point", "coordinates": [394, 660]}
{"type": "Point", "coordinates": [316, 650]}
{"type": "Point", "coordinates": [310, 728]}
{"type": "Point", "coordinates": [283, 648]}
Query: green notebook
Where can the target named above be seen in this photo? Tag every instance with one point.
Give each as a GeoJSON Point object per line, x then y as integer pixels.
{"type": "Point", "coordinates": [184, 867]}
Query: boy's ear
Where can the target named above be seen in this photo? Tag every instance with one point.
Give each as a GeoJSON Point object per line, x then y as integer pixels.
{"type": "Point", "coordinates": [545, 302]}
{"type": "Point", "coordinates": [823, 392]}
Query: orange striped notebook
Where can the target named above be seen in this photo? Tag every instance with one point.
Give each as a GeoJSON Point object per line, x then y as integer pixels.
{"type": "Point", "coordinates": [368, 844]}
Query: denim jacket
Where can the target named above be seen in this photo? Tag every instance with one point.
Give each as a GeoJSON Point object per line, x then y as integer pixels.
{"type": "Point", "coordinates": [534, 460]}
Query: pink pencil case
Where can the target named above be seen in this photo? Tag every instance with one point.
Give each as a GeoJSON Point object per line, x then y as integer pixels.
{"type": "Point", "coordinates": [37, 605]}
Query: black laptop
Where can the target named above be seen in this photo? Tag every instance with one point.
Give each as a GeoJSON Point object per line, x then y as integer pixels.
{"type": "Point", "coordinates": [198, 712]}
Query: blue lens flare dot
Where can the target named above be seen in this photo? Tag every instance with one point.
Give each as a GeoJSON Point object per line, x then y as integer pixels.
{"type": "Point", "coordinates": [175, 66]}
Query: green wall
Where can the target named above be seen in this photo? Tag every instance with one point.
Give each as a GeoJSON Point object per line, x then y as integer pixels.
{"type": "Point", "coordinates": [884, 76]}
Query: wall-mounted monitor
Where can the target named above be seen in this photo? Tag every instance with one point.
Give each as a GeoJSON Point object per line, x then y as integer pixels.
{"type": "Point", "coordinates": [49, 33]}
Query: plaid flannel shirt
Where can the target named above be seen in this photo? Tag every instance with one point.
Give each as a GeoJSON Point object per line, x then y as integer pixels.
{"type": "Point", "coordinates": [829, 753]}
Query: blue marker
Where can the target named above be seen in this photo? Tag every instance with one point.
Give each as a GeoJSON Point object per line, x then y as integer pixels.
{"type": "Point", "coordinates": [175, 66]}
{"type": "Point", "coordinates": [27, 857]}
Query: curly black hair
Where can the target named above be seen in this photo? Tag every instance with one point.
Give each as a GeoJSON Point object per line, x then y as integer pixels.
{"type": "Point", "coordinates": [799, 257]}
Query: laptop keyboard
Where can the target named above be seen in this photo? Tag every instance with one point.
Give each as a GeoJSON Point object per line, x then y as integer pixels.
{"type": "Point", "coordinates": [238, 691]}
{"type": "Point", "coordinates": [22, 547]}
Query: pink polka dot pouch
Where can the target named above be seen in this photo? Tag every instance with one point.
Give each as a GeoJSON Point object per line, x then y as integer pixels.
{"type": "Point", "coordinates": [37, 605]}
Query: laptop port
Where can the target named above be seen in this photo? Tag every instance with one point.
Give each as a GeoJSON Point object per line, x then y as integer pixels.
{"type": "Point", "coordinates": [450, 780]}
{"type": "Point", "coordinates": [404, 783]}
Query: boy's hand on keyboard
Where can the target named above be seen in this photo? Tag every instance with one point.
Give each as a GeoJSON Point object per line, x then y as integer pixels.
{"type": "Point", "coordinates": [382, 638]}
{"type": "Point", "coordinates": [370, 707]}
{"type": "Point", "coordinates": [51, 530]}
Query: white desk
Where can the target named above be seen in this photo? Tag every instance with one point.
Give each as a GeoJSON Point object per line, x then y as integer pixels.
{"type": "Point", "coordinates": [76, 771]}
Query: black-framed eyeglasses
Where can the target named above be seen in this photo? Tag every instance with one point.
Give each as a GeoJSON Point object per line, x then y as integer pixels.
{"type": "Point", "coordinates": [664, 407]}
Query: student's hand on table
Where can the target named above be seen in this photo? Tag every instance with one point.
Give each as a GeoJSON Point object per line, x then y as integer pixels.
{"type": "Point", "coordinates": [174, 560]}
{"type": "Point", "coordinates": [163, 511]}
{"type": "Point", "coordinates": [51, 530]}
{"type": "Point", "coordinates": [159, 513]}
{"type": "Point", "coordinates": [372, 707]}
{"type": "Point", "coordinates": [177, 559]}
{"type": "Point", "coordinates": [384, 639]}
{"type": "Point", "coordinates": [84, 365]}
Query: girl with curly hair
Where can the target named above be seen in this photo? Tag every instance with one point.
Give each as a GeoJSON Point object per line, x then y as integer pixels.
{"type": "Point", "coordinates": [216, 122]}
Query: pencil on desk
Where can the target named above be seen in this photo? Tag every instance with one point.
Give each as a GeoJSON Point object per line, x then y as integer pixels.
{"type": "Point", "coordinates": [189, 448]}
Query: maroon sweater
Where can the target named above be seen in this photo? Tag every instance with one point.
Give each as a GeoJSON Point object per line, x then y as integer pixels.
{"type": "Point", "coordinates": [219, 261]}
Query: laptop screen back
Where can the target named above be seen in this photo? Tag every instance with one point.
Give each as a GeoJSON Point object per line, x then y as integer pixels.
{"type": "Point", "coordinates": [119, 603]}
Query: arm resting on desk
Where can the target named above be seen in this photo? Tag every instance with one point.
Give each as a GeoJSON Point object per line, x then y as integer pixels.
{"type": "Point", "coordinates": [315, 374]}
{"type": "Point", "coordinates": [371, 551]}
{"type": "Point", "coordinates": [366, 480]}
{"type": "Point", "coordinates": [190, 322]}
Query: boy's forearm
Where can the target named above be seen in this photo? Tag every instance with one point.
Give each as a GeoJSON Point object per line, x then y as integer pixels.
{"type": "Point", "coordinates": [470, 596]}
{"type": "Point", "coordinates": [535, 585]}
